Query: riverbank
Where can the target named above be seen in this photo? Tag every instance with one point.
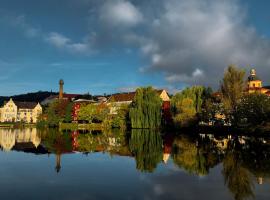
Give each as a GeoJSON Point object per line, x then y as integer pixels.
{"type": "Point", "coordinates": [17, 125]}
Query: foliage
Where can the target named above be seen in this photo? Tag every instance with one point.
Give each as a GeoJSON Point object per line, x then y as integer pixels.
{"type": "Point", "coordinates": [232, 87]}
{"type": "Point", "coordinates": [187, 104]}
{"type": "Point", "coordinates": [146, 146]}
{"type": "Point", "coordinates": [56, 112]}
{"type": "Point", "coordinates": [93, 113]}
{"type": "Point", "coordinates": [237, 178]}
{"type": "Point", "coordinates": [121, 118]}
{"type": "Point", "coordinates": [253, 109]}
{"type": "Point", "coordinates": [145, 110]}
{"type": "Point", "coordinates": [68, 112]}
{"type": "Point", "coordinates": [187, 113]}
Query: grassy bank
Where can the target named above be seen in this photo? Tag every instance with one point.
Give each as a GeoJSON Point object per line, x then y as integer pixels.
{"type": "Point", "coordinates": [76, 126]}
{"type": "Point", "coordinates": [17, 125]}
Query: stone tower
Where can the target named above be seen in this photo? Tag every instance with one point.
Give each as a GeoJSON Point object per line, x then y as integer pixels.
{"type": "Point", "coordinates": [61, 89]}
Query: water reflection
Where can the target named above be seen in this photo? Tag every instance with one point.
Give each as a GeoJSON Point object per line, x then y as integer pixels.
{"type": "Point", "coordinates": [19, 138]}
{"type": "Point", "coordinates": [244, 162]}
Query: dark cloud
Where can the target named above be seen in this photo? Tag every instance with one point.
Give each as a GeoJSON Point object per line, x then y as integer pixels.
{"type": "Point", "coordinates": [190, 41]}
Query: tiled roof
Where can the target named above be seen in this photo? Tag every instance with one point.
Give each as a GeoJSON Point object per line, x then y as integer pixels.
{"type": "Point", "coordinates": [26, 105]}
{"type": "Point", "coordinates": [123, 97]}
{"type": "Point", "coordinates": [127, 96]}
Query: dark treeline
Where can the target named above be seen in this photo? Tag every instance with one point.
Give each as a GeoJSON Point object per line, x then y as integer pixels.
{"type": "Point", "coordinates": [29, 97]}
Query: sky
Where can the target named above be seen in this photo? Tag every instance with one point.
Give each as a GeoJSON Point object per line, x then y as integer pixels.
{"type": "Point", "coordinates": [107, 46]}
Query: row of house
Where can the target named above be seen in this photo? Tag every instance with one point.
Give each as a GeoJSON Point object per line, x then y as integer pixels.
{"type": "Point", "coordinates": [14, 111]}
{"type": "Point", "coordinates": [115, 101]}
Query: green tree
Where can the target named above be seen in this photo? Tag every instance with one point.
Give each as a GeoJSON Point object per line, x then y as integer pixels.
{"type": "Point", "coordinates": [232, 87]}
{"type": "Point", "coordinates": [87, 112]}
{"type": "Point", "coordinates": [68, 112]}
{"type": "Point", "coordinates": [121, 118]}
{"type": "Point", "coordinates": [186, 113]}
{"type": "Point", "coordinates": [145, 110]}
{"type": "Point", "coordinates": [187, 105]}
{"type": "Point", "coordinates": [253, 109]}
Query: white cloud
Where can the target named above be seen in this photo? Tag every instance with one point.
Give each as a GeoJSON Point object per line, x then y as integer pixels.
{"type": "Point", "coordinates": [62, 42]}
{"type": "Point", "coordinates": [120, 13]}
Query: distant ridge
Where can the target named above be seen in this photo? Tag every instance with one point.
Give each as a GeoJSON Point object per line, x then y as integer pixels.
{"type": "Point", "coordinates": [29, 97]}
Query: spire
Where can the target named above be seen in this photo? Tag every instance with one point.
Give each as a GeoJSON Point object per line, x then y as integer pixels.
{"type": "Point", "coordinates": [253, 72]}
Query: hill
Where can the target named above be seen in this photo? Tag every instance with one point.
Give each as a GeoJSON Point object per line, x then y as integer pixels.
{"type": "Point", "coordinates": [29, 97]}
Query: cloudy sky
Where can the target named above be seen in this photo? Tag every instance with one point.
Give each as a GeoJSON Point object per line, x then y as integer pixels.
{"type": "Point", "coordinates": [105, 46]}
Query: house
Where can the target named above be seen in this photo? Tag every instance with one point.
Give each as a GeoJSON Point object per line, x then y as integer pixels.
{"type": "Point", "coordinates": [13, 111]}
{"type": "Point", "coordinates": [254, 84]}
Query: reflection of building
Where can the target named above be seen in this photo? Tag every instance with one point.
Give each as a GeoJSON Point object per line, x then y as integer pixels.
{"type": "Point", "coordinates": [9, 138]}
{"type": "Point", "coordinates": [255, 84]}
{"type": "Point", "coordinates": [20, 112]}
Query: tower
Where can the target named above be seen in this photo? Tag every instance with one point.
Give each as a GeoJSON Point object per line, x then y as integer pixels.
{"type": "Point", "coordinates": [61, 89]}
{"type": "Point", "coordinates": [254, 81]}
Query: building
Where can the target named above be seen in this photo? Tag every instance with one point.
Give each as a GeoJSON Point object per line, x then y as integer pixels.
{"type": "Point", "coordinates": [13, 111]}
{"type": "Point", "coordinates": [254, 84]}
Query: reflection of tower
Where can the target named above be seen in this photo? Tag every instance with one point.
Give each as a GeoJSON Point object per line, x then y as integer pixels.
{"type": "Point", "coordinates": [260, 180]}
{"type": "Point", "coordinates": [61, 89]}
{"type": "Point", "coordinates": [58, 163]}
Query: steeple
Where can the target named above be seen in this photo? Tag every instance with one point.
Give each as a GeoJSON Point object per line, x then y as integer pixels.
{"type": "Point", "coordinates": [252, 72]}
{"type": "Point", "coordinates": [61, 89]}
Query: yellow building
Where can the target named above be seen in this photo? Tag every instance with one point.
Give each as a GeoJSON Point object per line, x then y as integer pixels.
{"type": "Point", "coordinates": [254, 84]}
{"type": "Point", "coordinates": [20, 112]}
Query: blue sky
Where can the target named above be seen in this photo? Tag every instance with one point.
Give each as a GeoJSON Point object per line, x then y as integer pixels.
{"type": "Point", "coordinates": [105, 46]}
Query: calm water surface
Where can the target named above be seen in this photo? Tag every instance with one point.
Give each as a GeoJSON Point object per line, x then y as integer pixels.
{"type": "Point", "coordinates": [141, 164]}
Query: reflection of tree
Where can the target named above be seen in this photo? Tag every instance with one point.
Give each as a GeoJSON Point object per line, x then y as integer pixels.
{"type": "Point", "coordinates": [58, 143]}
{"type": "Point", "coordinates": [256, 158]}
{"type": "Point", "coordinates": [146, 146]}
{"type": "Point", "coordinates": [237, 178]}
{"type": "Point", "coordinates": [195, 157]}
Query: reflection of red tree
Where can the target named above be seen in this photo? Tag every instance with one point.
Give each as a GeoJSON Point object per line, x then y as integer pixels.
{"type": "Point", "coordinates": [167, 143]}
{"type": "Point", "coordinates": [75, 143]}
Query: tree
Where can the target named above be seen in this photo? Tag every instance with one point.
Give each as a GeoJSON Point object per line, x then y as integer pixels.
{"type": "Point", "coordinates": [68, 112]}
{"type": "Point", "coordinates": [121, 118]}
{"type": "Point", "coordinates": [87, 112]}
{"type": "Point", "coordinates": [93, 113]}
{"type": "Point", "coordinates": [253, 109]}
{"type": "Point", "coordinates": [145, 110]}
{"type": "Point", "coordinates": [187, 104]}
{"type": "Point", "coordinates": [186, 113]}
{"type": "Point", "coordinates": [232, 87]}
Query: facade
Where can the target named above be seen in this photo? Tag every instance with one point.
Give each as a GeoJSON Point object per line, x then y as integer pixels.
{"type": "Point", "coordinates": [254, 84]}
{"type": "Point", "coordinates": [20, 112]}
